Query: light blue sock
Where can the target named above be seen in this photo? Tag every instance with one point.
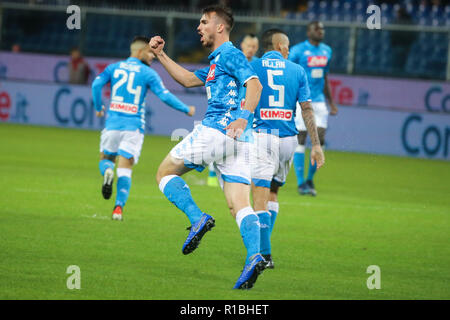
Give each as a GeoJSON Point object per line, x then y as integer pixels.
{"type": "Point", "coordinates": [250, 231]}
{"type": "Point", "coordinates": [105, 164]}
{"type": "Point", "coordinates": [311, 171]}
{"type": "Point", "coordinates": [299, 165]}
{"type": "Point", "coordinates": [212, 173]}
{"type": "Point", "coordinates": [178, 192]}
{"type": "Point", "coordinates": [123, 190]}
{"type": "Point", "coordinates": [266, 227]}
{"type": "Point", "coordinates": [273, 209]}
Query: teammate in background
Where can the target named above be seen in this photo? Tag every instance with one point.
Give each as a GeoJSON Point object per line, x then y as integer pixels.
{"type": "Point", "coordinates": [284, 85]}
{"type": "Point", "coordinates": [314, 56]}
{"type": "Point", "coordinates": [249, 47]}
{"type": "Point", "coordinates": [125, 122]}
{"type": "Point", "coordinates": [218, 139]}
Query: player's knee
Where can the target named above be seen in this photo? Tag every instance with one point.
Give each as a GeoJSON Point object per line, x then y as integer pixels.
{"type": "Point", "coordinates": [301, 138]}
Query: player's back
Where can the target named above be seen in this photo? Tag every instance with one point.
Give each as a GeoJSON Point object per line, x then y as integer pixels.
{"type": "Point", "coordinates": [129, 84]}
{"type": "Point", "coordinates": [284, 83]}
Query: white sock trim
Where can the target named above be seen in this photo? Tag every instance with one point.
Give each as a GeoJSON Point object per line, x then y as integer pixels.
{"type": "Point", "coordinates": [300, 149]}
{"type": "Point", "coordinates": [273, 206]}
{"type": "Point", "coordinates": [165, 180]}
{"type": "Point", "coordinates": [242, 214]}
{"type": "Point", "coordinates": [262, 211]}
{"type": "Point", "coordinates": [124, 172]}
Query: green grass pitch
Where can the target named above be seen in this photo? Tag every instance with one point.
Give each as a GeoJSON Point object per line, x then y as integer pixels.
{"type": "Point", "coordinates": [370, 210]}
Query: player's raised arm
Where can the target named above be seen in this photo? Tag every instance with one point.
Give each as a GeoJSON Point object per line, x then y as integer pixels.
{"type": "Point", "coordinates": [183, 76]}
{"type": "Point", "coordinates": [157, 87]}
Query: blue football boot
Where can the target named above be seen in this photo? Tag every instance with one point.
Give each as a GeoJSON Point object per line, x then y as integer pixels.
{"type": "Point", "coordinates": [251, 272]}
{"type": "Point", "coordinates": [197, 231]}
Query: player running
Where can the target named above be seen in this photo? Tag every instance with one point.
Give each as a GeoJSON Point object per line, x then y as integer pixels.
{"type": "Point", "coordinates": [218, 138]}
{"type": "Point", "coordinates": [284, 84]}
{"type": "Point", "coordinates": [249, 47]}
{"type": "Point", "coordinates": [123, 134]}
{"type": "Point", "coordinates": [314, 56]}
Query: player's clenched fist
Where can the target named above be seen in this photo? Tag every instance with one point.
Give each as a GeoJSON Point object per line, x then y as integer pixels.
{"type": "Point", "coordinates": [156, 44]}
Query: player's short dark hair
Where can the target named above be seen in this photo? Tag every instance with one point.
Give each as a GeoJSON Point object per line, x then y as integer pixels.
{"type": "Point", "coordinates": [311, 23]}
{"type": "Point", "coordinates": [266, 38]}
{"type": "Point", "coordinates": [223, 12]}
{"type": "Point", "coordinates": [140, 39]}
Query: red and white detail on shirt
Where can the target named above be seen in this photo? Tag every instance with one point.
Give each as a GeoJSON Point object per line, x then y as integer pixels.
{"type": "Point", "coordinates": [123, 107]}
{"type": "Point", "coordinates": [317, 61]}
{"type": "Point", "coordinates": [211, 73]}
{"type": "Point", "coordinates": [276, 114]}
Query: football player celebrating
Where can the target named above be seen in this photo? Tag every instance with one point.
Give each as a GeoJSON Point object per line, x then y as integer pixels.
{"type": "Point", "coordinates": [220, 138]}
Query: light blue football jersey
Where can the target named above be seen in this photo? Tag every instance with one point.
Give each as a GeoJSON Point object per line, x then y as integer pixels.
{"type": "Point", "coordinates": [315, 60]}
{"type": "Point", "coordinates": [224, 80]}
{"type": "Point", "coordinates": [284, 83]}
{"type": "Point", "coordinates": [130, 80]}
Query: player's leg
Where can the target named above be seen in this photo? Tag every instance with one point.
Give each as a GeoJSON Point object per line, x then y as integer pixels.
{"type": "Point", "coordinates": [187, 155]}
{"type": "Point", "coordinates": [124, 170]}
{"type": "Point", "coordinates": [235, 172]}
{"type": "Point", "coordinates": [265, 155]}
{"type": "Point", "coordinates": [212, 176]}
{"type": "Point", "coordinates": [175, 188]}
{"type": "Point", "coordinates": [260, 199]}
{"type": "Point", "coordinates": [299, 156]}
{"type": "Point", "coordinates": [106, 166]}
{"type": "Point", "coordinates": [299, 163]}
{"type": "Point", "coordinates": [109, 144]}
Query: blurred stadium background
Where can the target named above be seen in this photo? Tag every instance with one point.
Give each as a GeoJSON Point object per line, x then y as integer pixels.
{"type": "Point", "coordinates": [393, 92]}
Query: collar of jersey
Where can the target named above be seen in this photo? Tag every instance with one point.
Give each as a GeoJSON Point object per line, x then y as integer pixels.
{"type": "Point", "coordinates": [311, 45]}
{"type": "Point", "coordinates": [222, 47]}
{"type": "Point", "coordinates": [133, 59]}
{"type": "Point", "coordinates": [273, 54]}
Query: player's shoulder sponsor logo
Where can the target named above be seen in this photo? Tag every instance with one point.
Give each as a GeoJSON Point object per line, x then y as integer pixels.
{"type": "Point", "coordinates": [317, 61]}
{"type": "Point", "coordinates": [276, 114]}
{"type": "Point", "coordinates": [211, 73]}
{"type": "Point", "coordinates": [123, 107]}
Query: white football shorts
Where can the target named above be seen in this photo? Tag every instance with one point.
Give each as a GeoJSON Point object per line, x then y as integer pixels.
{"type": "Point", "coordinates": [320, 115]}
{"type": "Point", "coordinates": [128, 144]}
{"type": "Point", "coordinates": [205, 145]}
{"type": "Point", "coordinates": [271, 158]}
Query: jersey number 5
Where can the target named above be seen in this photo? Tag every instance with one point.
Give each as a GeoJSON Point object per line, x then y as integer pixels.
{"type": "Point", "coordinates": [123, 75]}
{"type": "Point", "coordinates": [276, 87]}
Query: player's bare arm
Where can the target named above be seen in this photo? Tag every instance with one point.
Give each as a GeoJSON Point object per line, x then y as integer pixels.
{"type": "Point", "coordinates": [183, 76]}
{"type": "Point", "coordinates": [100, 113]}
{"type": "Point", "coordinates": [327, 93]}
{"type": "Point", "coordinates": [310, 124]}
{"type": "Point", "coordinates": [252, 95]}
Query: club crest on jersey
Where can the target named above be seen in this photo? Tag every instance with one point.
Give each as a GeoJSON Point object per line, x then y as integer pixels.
{"type": "Point", "coordinates": [124, 107]}
{"type": "Point", "coordinates": [211, 73]}
{"type": "Point", "coordinates": [317, 61]}
{"type": "Point", "coordinates": [276, 114]}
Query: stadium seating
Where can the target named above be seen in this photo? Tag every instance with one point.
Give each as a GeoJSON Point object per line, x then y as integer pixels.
{"type": "Point", "coordinates": [377, 51]}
